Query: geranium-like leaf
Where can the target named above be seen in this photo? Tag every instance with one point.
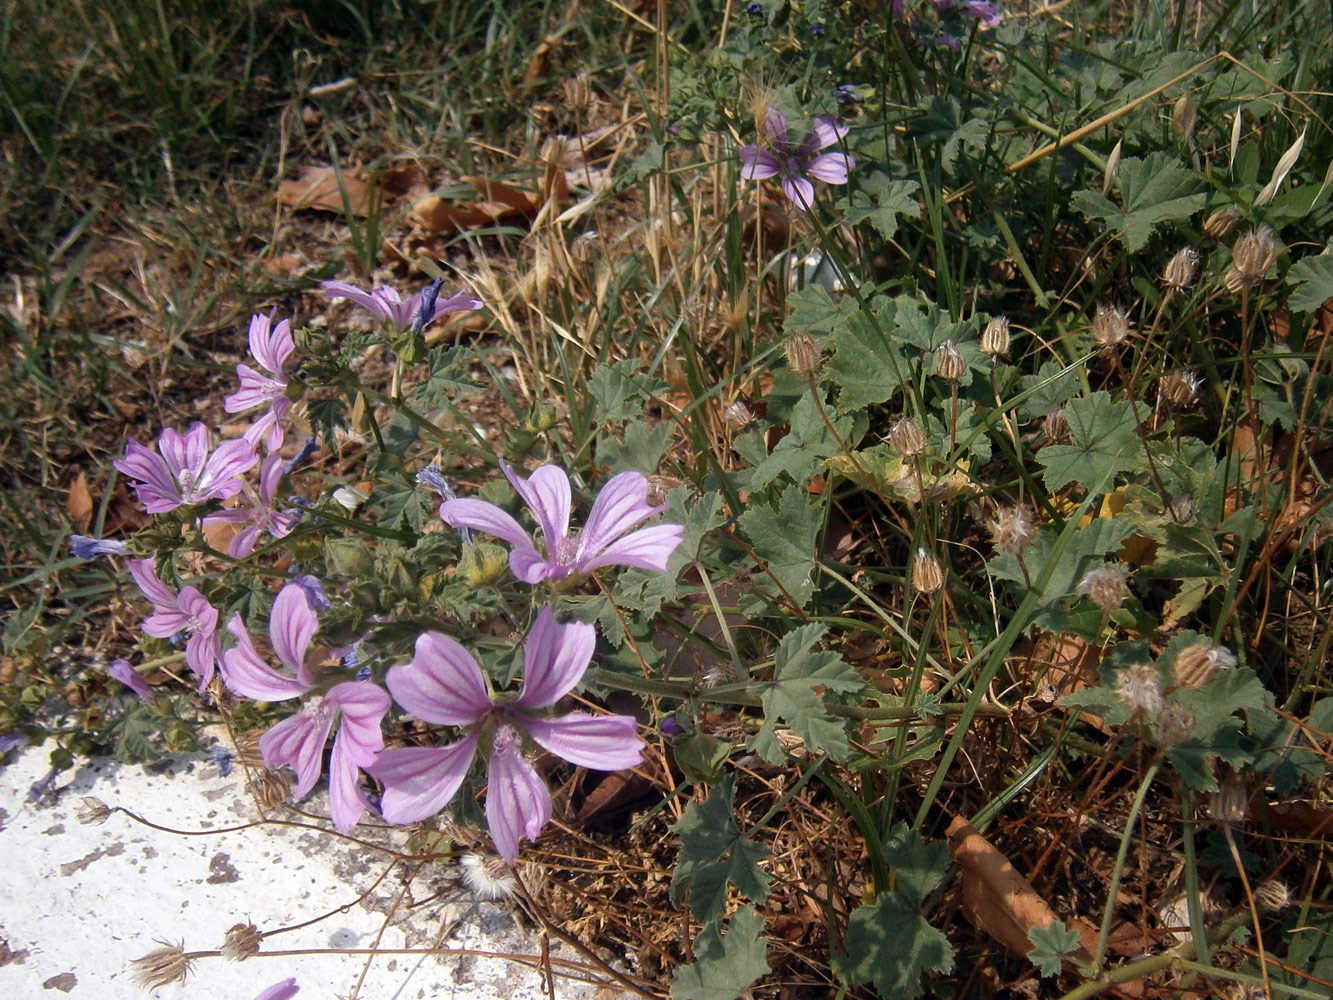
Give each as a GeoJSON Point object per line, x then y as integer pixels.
{"type": "Point", "coordinates": [1104, 443]}
{"type": "Point", "coordinates": [714, 853]}
{"type": "Point", "coordinates": [801, 675]}
{"type": "Point", "coordinates": [724, 966]}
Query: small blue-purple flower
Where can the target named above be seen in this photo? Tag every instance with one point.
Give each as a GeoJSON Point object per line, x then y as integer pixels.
{"type": "Point", "coordinates": [83, 547]}
{"type": "Point", "coordinates": [123, 672]}
{"type": "Point", "coordinates": [797, 163]}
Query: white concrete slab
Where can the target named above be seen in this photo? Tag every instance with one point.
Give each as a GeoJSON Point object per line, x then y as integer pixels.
{"type": "Point", "coordinates": [78, 902]}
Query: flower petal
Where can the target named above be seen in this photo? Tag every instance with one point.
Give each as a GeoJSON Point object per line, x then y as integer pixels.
{"type": "Point", "coordinates": [284, 990]}
{"type": "Point", "coordinates": [518, 803]}
{"type": "Point", "coordinates": [832, 168]}
{"type": "Point", "coordinates": [825, 131]}
{"type": "Point", "coordinates": [799, 191]}
{"type": "Point", "coordinates": [246, 674]}
{"type": "Point", "coordinates": [420, 781]}
{"type": "Point", "coordinates": [547, 494]}
{"type": "Point", "coordinates": [602, 742]}
{"type": "Point", "coordinates": [758, 164]}
{"type": "Point", "coordinates": [555, 658]}
{"type": "Point", "coordinates": [621, 504]}
{"type": "Point", "coordinates": [647, 548]}
{"type": "Point", "coordinates": [363, 706]}
{"type": "Point", "coordinates": [442, 684]}
{"type": "Point", "coordinates": [775, 124]}
{"type": "Point", "coordinates": [291, 627]}
{"type": "Point", "coordinates": [342, 290]}
{"type": "Point", "coordinates": [532, 567]}
{"type": "Point", "coordinates": [145, 575]}
{"type": "Point", "coordinates": [123, 672]}
{"type": "Point", "coordinates": [485, 517]}
{"type": "Point", "coordinates": [298, 742]}
{"type": "Point", "coordinates": [347, 800]}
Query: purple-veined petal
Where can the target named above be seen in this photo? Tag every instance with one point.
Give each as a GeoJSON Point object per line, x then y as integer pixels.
{"type": "Point", "coordinates": [342, 290]}
{"type": "Point", "coordinates": [518, 803]}
{"type": "Point", "coordinates": [621, 504]}
{"type": "Point", "coordinates": [123, 672]}
{"type": "Point", "coordinates": [291, 627]}
{"type": "Point", "coordinates": [202, 652]}
{"type": "Point", "coordinates": [257, 389]}
{"type": "Point", "coordinates": [270, 475]}
{"type": "Point", "coordinates": [799, 191]}
{"type": "Point", "coordinates": [156, 487]}
{"type": "Point", "coordinates": [532, 567]}
{"type": "Point", "coordinates": [555, 658]}
{"type": "Point", "coordinates": [443, 683]}
{"type": "Point", "coordinates": [458, 302]}
{"type": "Point", "coordinates": [485, 517]}
{"type": "Point", "coordinates": [825, 132]}
{"type": "Point", "coordinates": [775, 124]}
{"type": "Point", "coordinates": [832, 168]}
{"type": "Point", "coordinates": [249, 676]}
{"type": "Point", "coordinates": [602, 742]}
{"type": "Point", "coordinates": [284, 990]}
{"type": "Point", "coordinates": [363, 706]}
{"type": "Point", "coordinates": [648, 548]}
{"type": "Point", "coordinates": [758, 164]}
{"type": "Point", "coordinates": [270, 345]}
{"type": "Point", "coordinates": [220, 477]}
{"type": "Point", "coordinates": [298, 742]}
{"type": "Point", "coordinates": [547, 494]}
{"type": "Point", "coordinates": [420, 781]}
{"type": "Point", "coordinates": [244, 543]}
{"type": "Point", "coordinates": [145, 576]}
{"type": "Point", "coordinates": [347, 801]}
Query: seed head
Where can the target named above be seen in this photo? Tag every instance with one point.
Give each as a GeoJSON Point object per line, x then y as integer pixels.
{"type": "Point", "coordinates": [271, 788]}
{"type": "Point", "coordinates": [241, 942]}
{"type": "Point", "coordinates": [1110, 326]}
{"type": "Point", "coordinates": [1012, 529]}
{"type": "Point", "coordinates": [995, 338]}
{"type": "Point", "coordinates": [92, 812]}
{"type": "Point", "coordinates": [1252, 256]}
{"type": "Point", "coordinates": [738, 415]}
{"type": "Point", "coordinates": [1228, 804]}
{"type": "Point", "coordinates": [1173, 725]}
{"type": "Point", "coordinates": [487, 876]}
{"type": "Point", "coordinates": [1199, 663]}
{"type": "Point", "coordinates": [803, 355]}
{"type": "Point", "coordinates": [907, 438]}
{"type": "Point", "coordinates": [167, 964]}
{"type": "Point", "coordinates": [927, 574]}
{"type": "Point", "coordinates": [1182, 270]}
{"type": "Point", "coordinates": [1055, 426]}
{"type": "Point", "coordinates": [950, 364]}
{"type": "Point", "coordinates": [1140, 687]}
{"type": "Point", "coordinates": [1107, 587]}
{"type": "Point", "coordinates": [1179, 390]}
{"type": "Point", "coordinates": [1272, 896]}
{"type": "Point", "coordinates": [1220, 223]}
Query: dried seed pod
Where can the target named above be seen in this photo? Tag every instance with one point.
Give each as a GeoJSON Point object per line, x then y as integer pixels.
{"type": "Point", "coordinates": [995, 338]}
{"type": "Point", "coordinates": [1228, 804]}
{"type": "Point", "coordinates": [1056, 426]}
{"type": "Point", "coordinates": [167, 964]}
{"type": "Point", "coordinates": [1220, 223]}
{"type": "Point", "coordinates": [1252, 256]}
{"type": "Point", "coordinates": [738, 415]}
{"type": "Point", "coordinates": [1272, 896]}
{"type": "Point", "coordinates": [1174, 725]}
{"type": "Point", "coordinates": [950, 364]}
{"type": "Point", "coordinates": [1200, 662]}
{"type": "Point", "coordinates": [803, 355]}
{"type": "Point", "coordinates": [1179, 390]}
{"type": "Point", "coordinates": [241, 942]}
{"type": "Point", "coordinates": [487, 876]}
{"type": "Point", "coordinates": [907, 438]}
{"type": "Point", "coordinates": [1110, 326]}
{"type": "Point", "coordinates": [1140, 687]}
{"type": "Point", "coordinates": [92, 812]}
{"type": "Point", "coordinates": [927, 573]}
{"type": "Point", "coordinates": [1107, 587]}
{"type": "Point", "coordinates": [1012, 529]}
{"type": "Point", "coordinates": [1182, 270]}
{"type": "Point", "coordinates": [1181, 508]}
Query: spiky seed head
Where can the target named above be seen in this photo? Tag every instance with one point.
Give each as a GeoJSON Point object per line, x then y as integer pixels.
{"type": "Point", "coordinates": [995, 338]}
{"type": "Point", "coordinates": [1183, 269]}
{"type": "Point", "coordinates": [167, 964]}
{"type": "Point", "coordinates": [1107, 587]}
{"type": "Point", "coordinates": [92, 812]}
{"type": "Point", "coordinates": [247, 748]}
{"type": "Point", "coordinates": [1252, 256]}
{"type": "Point", "coordinates": [803, 355]}
{"type": "Point", "coordinates": [1012, 529]}
{"type": "Point", "coordinates": [1197, 664]}
{"type": "Point", "coordinates": [241, 942]}
{"type": "Point", "coordinates": [1174, 724]}
{"type": "Point", "coordinates": [487, 876]}
{"type": "Point", "coordinates": [1056, 425]}
{"type": "Point", "coordinates": [1229, 803]}
{"type": "Point", "coordinates": [1272, 896]}
{"type": "Point", "coordinates": [1220, 223]}
{"type": "Point", "coordinates": [1140, 687]}
{"type": "Point", "coordinates": [578, 93]}
{"type": "Point", "coordinates": [738, 415]}
{"type": "Point", "coordinates": [271, 788]}
{"type": "Point", "coordinates": [927, 574]}
{"type": "Point", "coordinates": [1110, 325]}
{"type": "Point", "coordinates": [907, 438]}
{"type": "Point", "coordinates": [950, 364]}
{"type": "Point", "coordinates": [1179, 390]}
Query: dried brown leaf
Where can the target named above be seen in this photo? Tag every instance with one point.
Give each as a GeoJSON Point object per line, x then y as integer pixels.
{"type": "Point", "coordinates": [317, 188]}
{"type": "Point", "coordinates": [79, 503]}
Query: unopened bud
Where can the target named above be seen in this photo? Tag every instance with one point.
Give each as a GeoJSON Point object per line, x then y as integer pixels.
{"type": "Point", "coordinates": [1140, 687]}
{"type": "Point", "coordinates": [480, 565]}
{"type": "Point", "coordinates": [1181, 508]}
{"type": "Point", "coordinates": [1220, 223]}
{"type": "Point", "coordinates": [1179, 390]}
{"type": "Point", "coordinates": [995, 338]}
{"type": "Point", "coordinates": [1056, 425]}
{"type": "Point", "coordinates": [927, 574]}
{"type": "Point", "coordinates": [1110, 326]}
{"type": "Point", "coordinates": [1228, 804]}
{"type": "Point", "coordinates": [1200, 662]}
{"type": "Point", "coordinates": [1183, 269]}
{"type": "Point", "coordinates": [1107, 587]}
{"type": "Point", "coordinates": [950, 364]}
{"type": "Point", "coordinates": [803, 356]}
{"type": "Point", "coordinates": [907, 438]}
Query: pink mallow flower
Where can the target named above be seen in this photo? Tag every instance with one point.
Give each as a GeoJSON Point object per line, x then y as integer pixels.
{"type": "Point", "coordinates": [186, 613]}
{"type": "Point", "coordinates": [284, 990]}
{"type": "Point", "coordinates": [260, 515]}
{"type": "Point", "coordinates": [298, 741]}
{"type": "Point", "coordinates": [622, 504]}
{"type": "Point", "coordinates": [386, 303]}
{"type": "Point", "coordinates": [271, 346]}
{"type": "Point", "coordinates": [123, 672]}
{"type": "Point", "coordinates": [183, 470]}
{"type": "Point", "coordinates": [796, 164]}
{"type": "Point", "coordinates": [444, 685]}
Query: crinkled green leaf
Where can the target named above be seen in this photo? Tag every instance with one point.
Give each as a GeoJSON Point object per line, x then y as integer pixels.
{"type": "Point", "coordinates": [890, 945]}
{"type": "Point", "coordinates": [1311, 282]}
{"type": "Point", "coordinates": [881, 200]}
{"type": "Point", "coordinates": [794, 696]}
{"type": "Point", "coordinates": [1104, 443]}
{"type": "Point", "coordinates": [622, 391]}
{"type": "Point", "coordinates": [724, 967]}
{"type": "Point", "coordinates": [713, 854]}
{"type": "Point", "coordinates": [801, 453]}
{"type": "Point", "coordinates": [1051, 945]}
{"type": "Point", "coordinates": [1153, 190]}
{"type": "Point", "coordinates": [784, 540]}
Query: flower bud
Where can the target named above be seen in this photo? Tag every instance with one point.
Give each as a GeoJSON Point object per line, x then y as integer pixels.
{"type": "Point", "coordinates": [907, 438]}
{"type": "Point", "coordinates": [1012, 529]}
{"type": "Point", "coordinates": [1200, 662]}
{"type": "Point", "coordinates": [803, 355]}
{"type": "Point", "coordinates": [995, 338]}
{"type": "Point", "coordinates": [1140, 687]}
{"type": "Point", "coordinates": [950, 364]}
{"type": "Point", "coordinates": [1220, 223]}
{"type": "Point", "coordinates": [1106, 586]}
{"type": "Point", "coordinates": [1183, 269]}
{"type": "Point", "coordinates": [1228, 804]}
{"type": "Point", "coordinates": [1110, 326]}
{"type": "Point", "coordinates": [927, 574]}
{"type": "Point", "coordinates": [1179, 390]}
{"type": "Point", "coordinates": [482, 564]}
{"type": "Point", "coordinates": [1055, 426]}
